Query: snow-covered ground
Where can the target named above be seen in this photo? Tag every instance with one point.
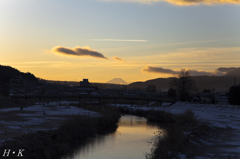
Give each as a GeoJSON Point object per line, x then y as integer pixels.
{"type": "Point", "coordinates": [224, 116]}
{"type": "Point", "coordinates": [38, 116]}
{"type": "Point", "coordinates": [41, 116]}
{"type": "Point", "coordinates": [219, 115]}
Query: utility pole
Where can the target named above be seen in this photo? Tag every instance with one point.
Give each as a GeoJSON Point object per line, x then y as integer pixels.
{"type": "Point", "coordinates": [234, 80]}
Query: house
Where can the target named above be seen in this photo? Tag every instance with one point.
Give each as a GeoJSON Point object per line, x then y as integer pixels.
{"type": "Point", "coordinates": [195, 99]}
{"type": "Point", "coordinates": [206, 97]}
{"type": "Point", "coordinates": [221, 98]}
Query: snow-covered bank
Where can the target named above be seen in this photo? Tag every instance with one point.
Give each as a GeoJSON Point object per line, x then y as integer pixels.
{"type": "Point", "coordinates": [217, 115]}
{"type": "Point", "coordinates": [43, 116]}
{"type": "Point", "coordinates": [224, 116]}
{"type": "Point", "coordinates": [72, 133]}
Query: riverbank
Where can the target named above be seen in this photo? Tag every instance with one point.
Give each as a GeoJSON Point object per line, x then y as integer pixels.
{"type": "Point", "coordinates": [186, 136]}
{"type": "Point", "coordinates": [131, 140]}
{"type": "Point", "coordinates": [15, 122]}
{"type": "Point", "coordinates": [221, 121]}
{"type": "Point", "coordinates": [57, 142]}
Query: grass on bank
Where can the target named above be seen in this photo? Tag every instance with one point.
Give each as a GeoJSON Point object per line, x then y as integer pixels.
{"type": "Point", "coordinates": [184, 135]}
{"type": "Point", "coordinates": [182, 130]}
{"type": "Point", "coordinates": [54, 144]}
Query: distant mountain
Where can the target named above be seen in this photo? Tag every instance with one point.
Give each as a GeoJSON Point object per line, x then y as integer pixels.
{"type": "Point", "coordinates": [217, 83]}
{"type": "Point", "coordinates": [235, 72]}
{"type": "Point", "coordinates": [7, 73]}
{"type": "Point", "coordinates": [232, 71]}
{"type": "Point", "coordinates": [117, 81]}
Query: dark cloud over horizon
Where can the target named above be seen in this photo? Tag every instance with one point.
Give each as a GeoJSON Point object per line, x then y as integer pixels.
{"type": "Point", "coordinates": [78, 51]}
{"type": "Point", "coordinates": [160, 70]}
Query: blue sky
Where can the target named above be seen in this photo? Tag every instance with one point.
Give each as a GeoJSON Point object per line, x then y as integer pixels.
{"type": "Point", "coordinates": [164, 34]}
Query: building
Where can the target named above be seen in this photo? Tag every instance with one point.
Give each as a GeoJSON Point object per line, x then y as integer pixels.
{"type": "Point", "coordinates": [86, 87]}
{"type": "Point", "coordinates": [206, 97]}
{"type": "Point", "coordinates": [221, 98]}
{"type": "Point", "coordinates": [85, 83]}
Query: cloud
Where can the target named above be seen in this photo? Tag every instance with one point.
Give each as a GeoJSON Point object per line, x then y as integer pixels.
{"type": "Point", "coordinates": [184, 2]}
{"type": "Point", "coordinates": [78, 51]}
{"type": "Point", "coordinates": [119, 40]}
{"type": "Point", "coordinates": [118, 59]}
{"type": "Point", "coordinates": [201, 57]}
{"type": "Point", "coordinates": [160, 70]}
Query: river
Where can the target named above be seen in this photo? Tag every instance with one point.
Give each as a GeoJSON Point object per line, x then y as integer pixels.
{"type": "Point", "coordinates": [132, 140]}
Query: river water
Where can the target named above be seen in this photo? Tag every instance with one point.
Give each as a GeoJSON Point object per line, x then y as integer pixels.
{"type": "Point", "coordinates": [132, 140]}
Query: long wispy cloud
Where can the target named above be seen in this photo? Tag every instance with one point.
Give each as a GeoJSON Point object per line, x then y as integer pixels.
{"type": "Point", "coordinates": [194, 56]}
{"type": "Point", "coordinates": [78, 51]}
{"type": "Point", "coordinates": [118, 59]}
{"type": "Point", "coordinates": [183, 2]}
{"type": "Point", "coordinates": [160, 70]}
{"type": "Point", "coordinates": [119, 40]}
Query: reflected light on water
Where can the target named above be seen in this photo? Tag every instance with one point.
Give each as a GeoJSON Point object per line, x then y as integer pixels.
{"type": "Point", "coordinates": [132, 140]}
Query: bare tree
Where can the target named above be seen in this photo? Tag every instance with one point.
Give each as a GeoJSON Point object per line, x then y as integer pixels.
{"type": "Point", "coordinates": [184, 85]}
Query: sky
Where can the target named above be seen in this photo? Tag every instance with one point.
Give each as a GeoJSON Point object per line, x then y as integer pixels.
{"type": "Point", "coordinates": [135, 40]}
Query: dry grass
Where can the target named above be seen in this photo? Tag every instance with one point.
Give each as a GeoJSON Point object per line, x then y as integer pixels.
{"type": "Point", "coordinates": [74, 131]}
{"type": "Point", "coordinates": [183, 135]}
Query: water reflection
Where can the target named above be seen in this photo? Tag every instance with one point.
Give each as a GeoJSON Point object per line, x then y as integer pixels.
{"type": "Point", "coordinates": [130, 141]}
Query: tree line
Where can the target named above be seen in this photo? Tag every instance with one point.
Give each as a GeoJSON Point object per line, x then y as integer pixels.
{"type": "Point", "coordinates": [183, 86]}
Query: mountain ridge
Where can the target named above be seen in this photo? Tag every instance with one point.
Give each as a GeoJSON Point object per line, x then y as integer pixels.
{"type": "Point", "coordinates": [216, 83]}
{"type": "Point", "coordinates": [8, 72]}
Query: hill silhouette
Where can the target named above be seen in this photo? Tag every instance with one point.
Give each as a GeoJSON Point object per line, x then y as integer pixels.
{"type": "Point", "coordinates": [7, 73]}
{"type": "Point", "coordinates": [216, 83]}
{"type": "Point", "coordinates": [235, 72]}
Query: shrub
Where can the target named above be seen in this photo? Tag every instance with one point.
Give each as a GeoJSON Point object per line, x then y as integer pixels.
{"type": "Point", "coordinates": [186, 119]}
{"type": "Point", "coordinates": [175, 141]}
{"type": "Point", "coordinates": [160, 116]}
